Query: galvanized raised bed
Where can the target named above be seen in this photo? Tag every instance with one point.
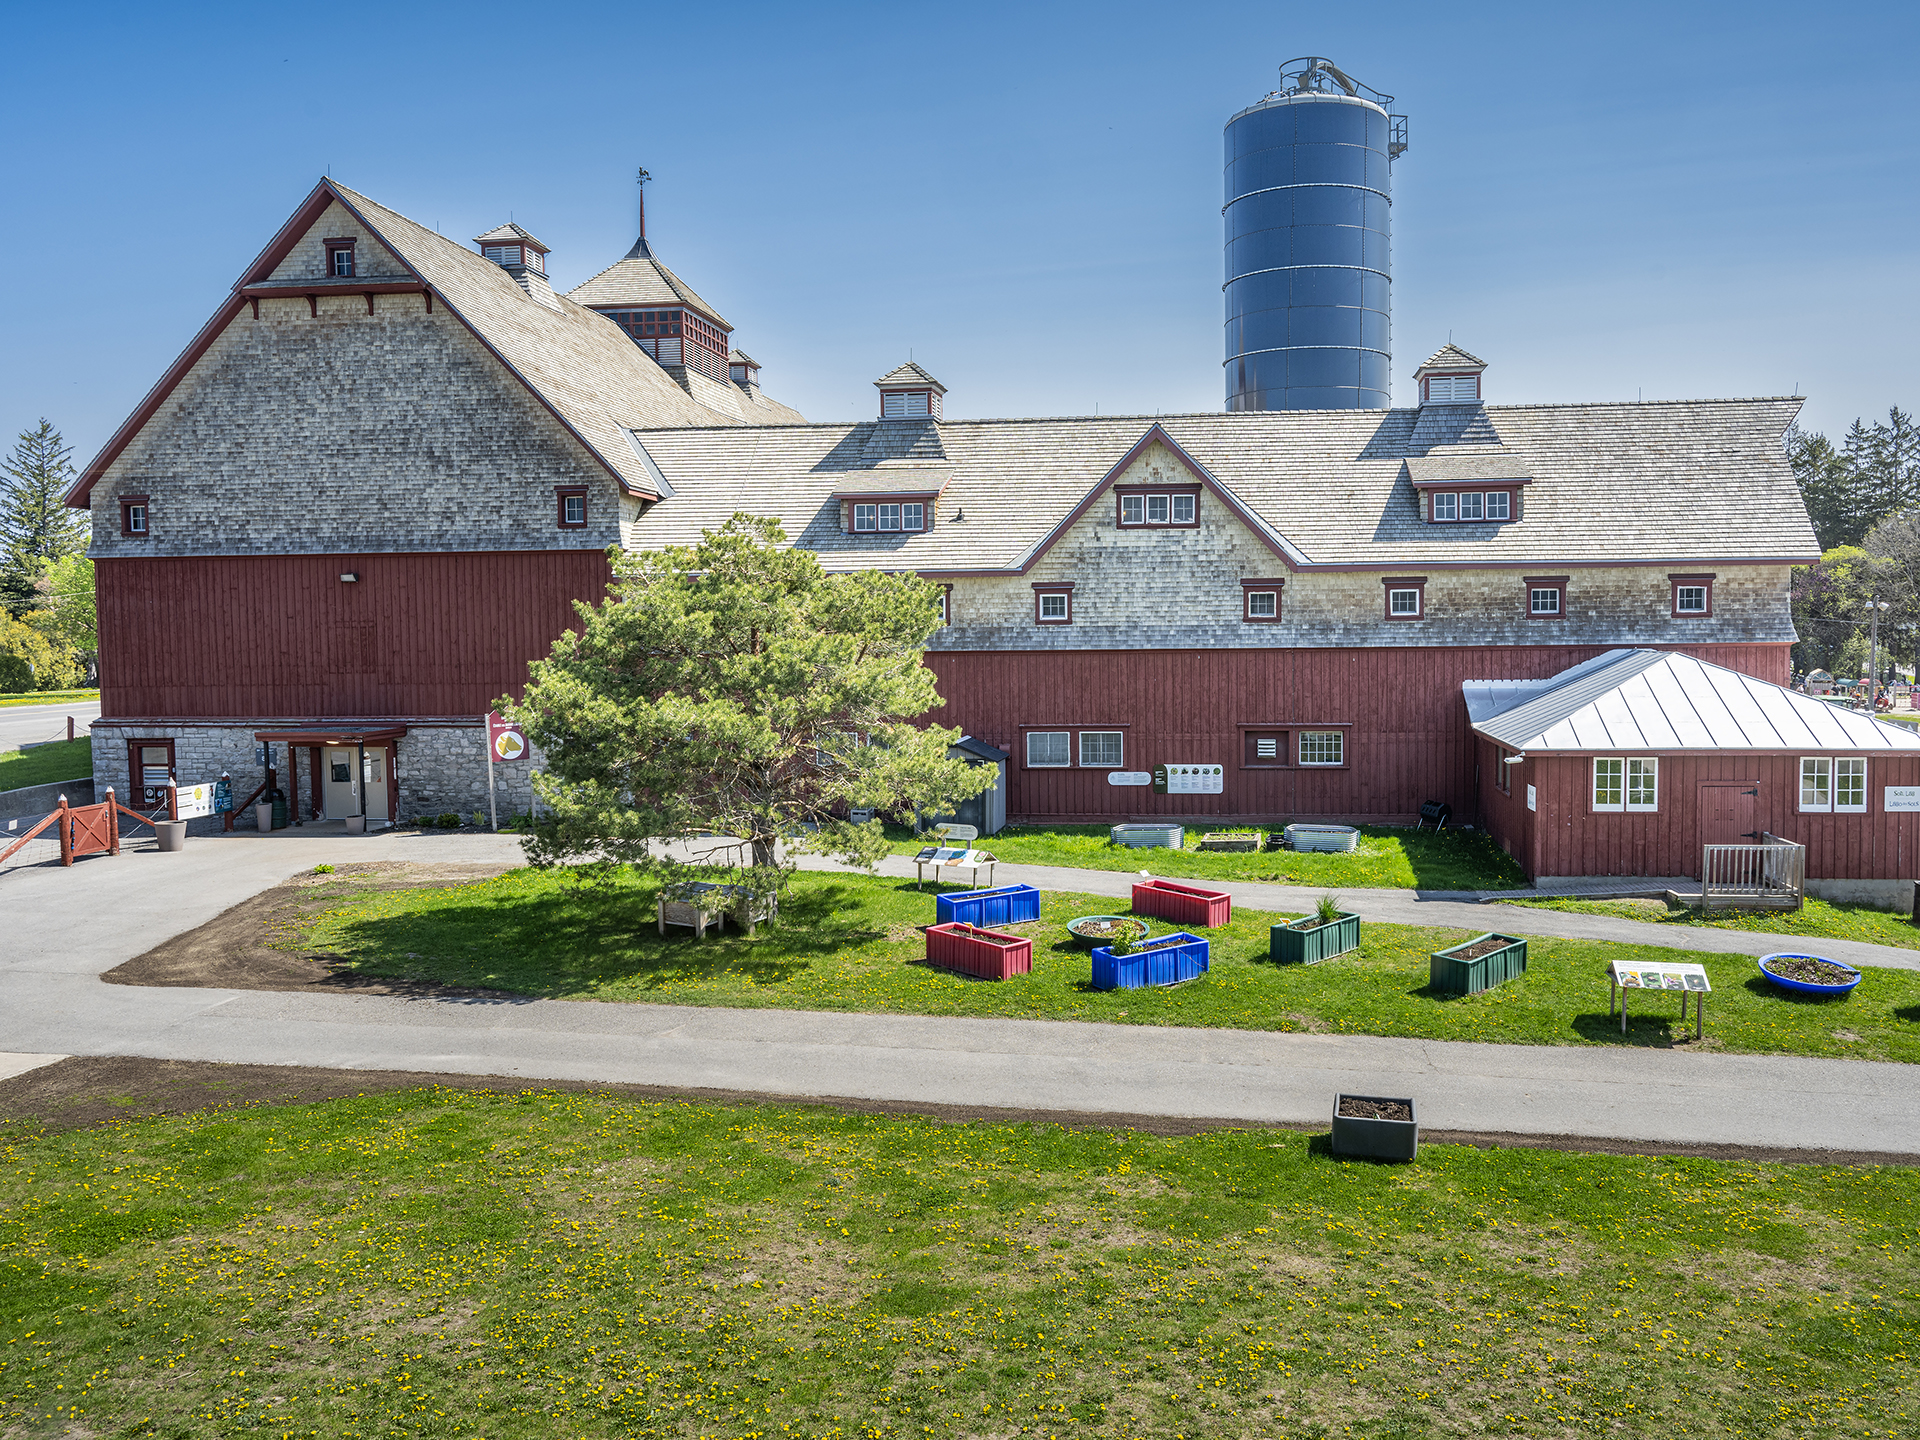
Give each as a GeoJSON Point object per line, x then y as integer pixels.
{"type": "Point", "coordinates": [1335, 838]}
{"type": "Point", "coordinates": [1163, 960]}
{"type": "Point", "coordinates": [1372, 1138]}
{"type": "Point", "coordinates": [987, 954]}
{"type": "Point", "coordinates": [1309, 941]}
{"type": "Point", "coordinates": [1453, 974]}
{"type": "Point", "coordinates": [1007, 905]}
{"type": "Point", "coordinates": [1165, 837]}
{"type": "Point", "coordinates": [1182, 904]}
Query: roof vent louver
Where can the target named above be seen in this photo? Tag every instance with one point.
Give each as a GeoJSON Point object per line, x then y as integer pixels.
{"type": "Point", "coordinates": [909, 393]}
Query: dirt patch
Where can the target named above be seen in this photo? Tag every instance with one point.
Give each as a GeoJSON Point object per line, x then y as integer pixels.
{"type": "Point", "coordinates": [235, 950]}
{"type": "Point", "coordinates": [1355, 1107]}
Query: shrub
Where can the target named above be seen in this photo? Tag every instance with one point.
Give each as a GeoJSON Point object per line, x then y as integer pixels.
{"type": "Point", "coordinates": [323, 870]}
{"type": "Point", "coordinates": [30, 661]}
{"type": "Point", "coordinates": [448, 821]}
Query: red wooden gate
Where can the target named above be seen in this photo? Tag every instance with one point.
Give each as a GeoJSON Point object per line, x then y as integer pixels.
{"type": "Point", "coordinates": [84, 829]}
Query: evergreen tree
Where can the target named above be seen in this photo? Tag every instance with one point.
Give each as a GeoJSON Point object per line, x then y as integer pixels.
{"type": "Point", "coordinates": [1848, 491]}
{"type": "Point", "coordinates": [34, 525]}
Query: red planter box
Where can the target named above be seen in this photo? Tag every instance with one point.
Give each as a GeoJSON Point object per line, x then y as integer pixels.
{"type": "Point", "coordinates": [989, 954]}
{"type": "Point", "coordinates": [1182, 904]}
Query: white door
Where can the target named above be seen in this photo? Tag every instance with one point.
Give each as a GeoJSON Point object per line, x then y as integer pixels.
{"type": "Point", "coordinates": [375, 776]}
{"type": "Point", "coordinates": [339, 791]}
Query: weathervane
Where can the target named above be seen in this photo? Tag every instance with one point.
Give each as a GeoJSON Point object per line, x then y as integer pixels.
{"type": "Point", "coordinates": [641, 180]}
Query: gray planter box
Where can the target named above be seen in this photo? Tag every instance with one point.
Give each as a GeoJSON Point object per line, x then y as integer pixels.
{"type": "Point", "coordinates": [1166, 837]}
{"type": "Point", "coordinates": [1334, 838]}
{"type": "Point", "coordinates": [1368, 1139]}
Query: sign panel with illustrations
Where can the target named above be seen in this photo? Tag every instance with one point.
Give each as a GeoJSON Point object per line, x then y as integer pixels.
{"type": "Point", "coordinates": [1189, 779]}
{"type": "Point", "coordinates": [1636, 976]}
{"type": "Point", "coordinates": [193, 801]}
{"type": "Point", "coordinates": [505, 740]}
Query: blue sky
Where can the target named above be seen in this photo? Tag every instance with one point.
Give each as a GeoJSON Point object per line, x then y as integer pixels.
{"type": "Point", "coordinates": [1675, 200]}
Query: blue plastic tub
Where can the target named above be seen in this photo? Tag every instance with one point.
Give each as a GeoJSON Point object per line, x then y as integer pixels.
{"type": "Point", "coordinates": [1004, 905]}
{"type": "Point", "coordinates": [1163, 960]}
{"type": "Point", "coordinates": [1805, 987]}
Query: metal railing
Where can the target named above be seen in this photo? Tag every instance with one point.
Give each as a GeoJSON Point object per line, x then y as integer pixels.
{"type": "Point", "coordinates": [1771, 875]}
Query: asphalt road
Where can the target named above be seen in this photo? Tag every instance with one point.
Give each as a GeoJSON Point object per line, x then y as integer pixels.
{"type": "Point", "coordinates": [67, 926]}
{"type": "Point", "coordinates": [30, 724]}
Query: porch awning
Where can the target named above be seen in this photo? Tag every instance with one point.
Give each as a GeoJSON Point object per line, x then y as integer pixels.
{"type": "Point", "coordinates": [338, 735]}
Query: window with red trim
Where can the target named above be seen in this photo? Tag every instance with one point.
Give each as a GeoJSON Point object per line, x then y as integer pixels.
{"type": "Point", "coordinates": [135, 518]}
{"type": "Point", "coordinates": [1053, 604]}
{"type": "Point", "coordinates": [340, 259]}
{"type": "Point", "coordinates": [1546, 597]}
{"type": "Point", "coordinates": [1260, 601]}
{"type": "Point", "coordinates": [571, 506]}
{"type": "Point", "coordinates": [1406, 597]}
{"type": "Point", "coordinates": [1692, 596]}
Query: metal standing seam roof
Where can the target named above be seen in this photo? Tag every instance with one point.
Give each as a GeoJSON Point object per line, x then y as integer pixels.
{"type": "Point", "coordinates": [1685, 483]}
{"type": "Point", "coordinates": [1656, 700]}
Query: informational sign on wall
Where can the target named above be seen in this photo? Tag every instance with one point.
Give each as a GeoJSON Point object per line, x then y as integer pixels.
{"type": "Point", "coordinates": [1530, 800]}
{"type": "Point", "coordinates": [1901, 797]}
{"type": "Point", "coordinates": [1189, 779]}
{"type": "Point", "coordinates": [1129, 777]}
{"type": "Point", "coordinates": [193, 801]}
{"type": "Point", "coordinates": [505, 740]}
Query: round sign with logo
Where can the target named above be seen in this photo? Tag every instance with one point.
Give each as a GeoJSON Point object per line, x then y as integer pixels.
{"type": "Point", "coordinates": [509, 745]}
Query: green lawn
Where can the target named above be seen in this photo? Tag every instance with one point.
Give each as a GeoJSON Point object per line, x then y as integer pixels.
{"type": "Point", "coordinates": [1817, 919]}
{"type": "Point", "coordinates": [849, 942]}
{"type": "Point", "coordinates": [1390, 857]}
{"type": "Point", "coordinates": [534, 1266]}
{"type": "Point", "coordinates": [44, 764]}
{"type": "Point", "coordinates": [49, 697]}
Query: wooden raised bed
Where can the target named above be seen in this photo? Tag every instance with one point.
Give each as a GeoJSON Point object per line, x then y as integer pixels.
{"type": "Point", "coordinates": [1182, 904]}
{"type": "Point", "coordinates": [1478, 964]}
{"type": "Point", "coordinates": [1163, 960]}
{"type": "Point", "coordinates": [1309, 941]}
{"type": "Point", "coordinates": [986, 954]}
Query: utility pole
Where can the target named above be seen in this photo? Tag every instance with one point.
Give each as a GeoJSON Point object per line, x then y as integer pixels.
{"type": "Point", "coordinates": [1874, 609]}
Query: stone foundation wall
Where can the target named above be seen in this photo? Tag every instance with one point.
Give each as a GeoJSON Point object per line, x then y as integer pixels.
{"type": "Point", "coordinates": [442, 766]}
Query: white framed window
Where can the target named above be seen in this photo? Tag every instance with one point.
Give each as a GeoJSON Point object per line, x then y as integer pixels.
{"type": "Point", "coordinates": [573, 509]}
{"type": "Point", "coordinates": [889, 517]}
{"type": "Point", "coordinates": [1643, 784]}
{"type": "Point", "coordinates": [1446, 505]}
{"type": "Point", "coordinates": [1816, 782]}
{"type": "Point", "coordinates": [913, 517]}
{"type": "Point", "coordinates": [1049, 749]}
{"type": "Point", "coordinates": [1403, 602]}
{"type": "Point", "coordinates": [1053, 605]}
{"type": "Point", "coordinates": [1473, 506]}
{"type": "Point", "coordinates": [1499, 505]}
{"type": "Point", "coordinates": [1544, 600]}
{"type": "Point", "coordinates": [866, 517]}
{"type": "Point", "coordinates": [944, 600]}
{"type": "Point", "coordinates": [1182, 510]}
{"type": "Point", "coordinates": [1690, 600]}
{"type": "Point", "coordinates": [1158, 510]}
{"type": "Point", "coordinates": [1101, 749]}
{"type": "Point", "coordinates": [1263, 604]}
{"type": "Point", "coordinates": [1609, 783]}
{"type": "Point", "coordinates": [1133, 509]}
{"type": "Point", "coordinates": [343, 264]}
{"type": "Point", "coordinates": [1830, 783]}
{"type": "Point", "coordinates": [1323, 747]}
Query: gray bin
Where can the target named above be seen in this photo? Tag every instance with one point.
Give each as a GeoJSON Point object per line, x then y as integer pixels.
{"type": "Point", "coordinates": [1165, 837]}
{"type": "Point", "coordinates": [1322, 837]}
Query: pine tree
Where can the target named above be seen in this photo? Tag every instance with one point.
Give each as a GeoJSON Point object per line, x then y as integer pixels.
{"type": "Point", "coordinates": [34, 525]}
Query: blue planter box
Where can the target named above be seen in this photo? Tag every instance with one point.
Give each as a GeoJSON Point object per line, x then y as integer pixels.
{"type": "Point", "coordinates": [1163, 960]}
{"type": "Point", "coordinates": [1007, 905]}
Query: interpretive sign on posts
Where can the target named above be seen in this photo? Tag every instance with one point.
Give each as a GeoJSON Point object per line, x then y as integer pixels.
{"type": "Point", "coordinates": [1901, 797]}
{"type": "Point", "coordinates": [1685, 980]}
{"type": "Point", "coordinates": [1189, 779]}
{"type": "Point", "coordinates": [506, 741]}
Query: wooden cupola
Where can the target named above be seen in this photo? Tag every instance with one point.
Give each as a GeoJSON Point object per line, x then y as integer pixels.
{"type": "Point", "coordinates": [1450, 376]}
{"type": "Point", "coordinates": [509, 246]}
{"type": "Point", "coordinates": [909, 393]}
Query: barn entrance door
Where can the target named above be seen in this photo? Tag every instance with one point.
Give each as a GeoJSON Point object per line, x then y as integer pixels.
{"type": "Point", "coordinates": [339, 789]}
{"type": "Point", "coordinates": [1728, 812]}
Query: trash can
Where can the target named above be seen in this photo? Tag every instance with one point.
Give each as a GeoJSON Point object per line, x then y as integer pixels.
{"type": "Point", "coordinates": [172, 834]}
{"type": "Point", "coordinates": [279, 799]}
{"type": "Point", "coordinates": [263, 816]}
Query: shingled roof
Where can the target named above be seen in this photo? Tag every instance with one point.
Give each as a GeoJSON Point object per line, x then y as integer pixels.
{"type": "Point", "coordinates": [639, 281]}
{"type": "Point", "coordinates": [579, 365]}
{"type": "Point", "coordinates": [1450, 357]}
{"type": "Point", "coordinates": [1694, 482]}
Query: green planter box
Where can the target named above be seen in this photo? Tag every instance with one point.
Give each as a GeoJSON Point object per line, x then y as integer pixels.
{"type": "Point", "coordinates": [1452, 975]}
{"type": "Point", "coordinates": [1288, 946]}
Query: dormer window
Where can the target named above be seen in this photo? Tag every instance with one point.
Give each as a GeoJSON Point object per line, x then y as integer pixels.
{"type": "Point", "coordinates": [909, 393]}
{"type": "Point", "coordinates": [1451, 390]}
{"type": "Point", "coordinates": [909, 405]}
{"type": "Point", "coordinates": [1465, 506]}
{"type": "Point", "coordinates": [1157, 506]}
{"type": "Point", "coordinates": [889, 517]}
{"type": "Point", "coordinates": [340, 258]}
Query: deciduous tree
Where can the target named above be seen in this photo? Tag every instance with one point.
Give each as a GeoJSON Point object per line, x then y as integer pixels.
{"type": "Point", "coordinates": [734, 687]}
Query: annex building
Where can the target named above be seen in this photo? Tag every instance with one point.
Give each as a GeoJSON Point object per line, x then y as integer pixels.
{"type": "Point", "coordinates": [370, 491]}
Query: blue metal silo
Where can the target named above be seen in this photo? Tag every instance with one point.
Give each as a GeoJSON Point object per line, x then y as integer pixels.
{"type": "Point", "coordinates": [1308, 269]}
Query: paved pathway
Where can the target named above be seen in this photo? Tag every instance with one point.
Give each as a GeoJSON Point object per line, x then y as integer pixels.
{"type": "Point", "coordinates": [67, 926]}
{"type": "Point", "coordinates": [30, 724]}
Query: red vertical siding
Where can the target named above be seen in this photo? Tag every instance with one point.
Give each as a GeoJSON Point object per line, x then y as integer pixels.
{"type": "Point", "coordinates": [1408, 742]}
{"type": "Point", "coordinates": [283, 635]}
{"type": "Point", "coordinates": [1575, 840]}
